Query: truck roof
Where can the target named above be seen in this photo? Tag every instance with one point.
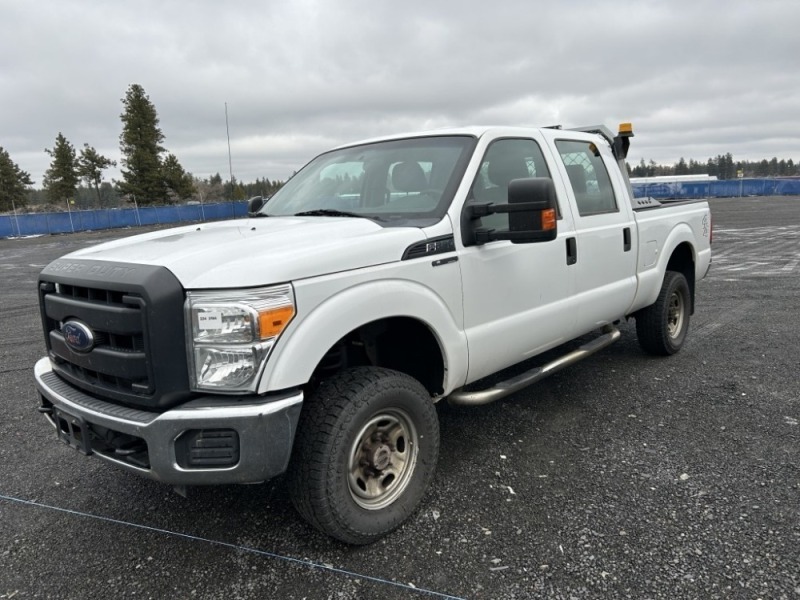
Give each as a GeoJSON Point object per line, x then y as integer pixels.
{"type": "Point", "coordinates": [472, 130]}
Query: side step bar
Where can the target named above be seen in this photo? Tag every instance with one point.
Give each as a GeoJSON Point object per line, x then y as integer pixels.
{"type": "Point", "coordinates": [509, 386]}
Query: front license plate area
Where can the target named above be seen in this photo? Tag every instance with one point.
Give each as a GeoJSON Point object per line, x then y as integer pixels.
{"type": "Point", "coordinates": [72, 430]}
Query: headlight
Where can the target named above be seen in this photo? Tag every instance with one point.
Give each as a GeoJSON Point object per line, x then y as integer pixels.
{"type": "Point", "coordinates": [231, 334]}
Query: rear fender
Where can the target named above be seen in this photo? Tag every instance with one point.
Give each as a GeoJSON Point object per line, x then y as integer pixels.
{"type": "Point", "coordinates": [650, 280]}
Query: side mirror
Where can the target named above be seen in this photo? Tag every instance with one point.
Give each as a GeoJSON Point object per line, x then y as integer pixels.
{"type": "Point", "coordinates": [255, 204]}
{"type": "Point", "coordinates": [539, 217]}
{"type": "Point", "coordinates": [532, 213]}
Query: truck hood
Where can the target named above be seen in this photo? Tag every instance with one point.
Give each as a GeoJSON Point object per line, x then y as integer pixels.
{"type": "Point", "coordinates": [263, 251]}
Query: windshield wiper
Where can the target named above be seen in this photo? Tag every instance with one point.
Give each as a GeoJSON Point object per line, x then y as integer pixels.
{"type": "Point", "coordinates": [330, 212]}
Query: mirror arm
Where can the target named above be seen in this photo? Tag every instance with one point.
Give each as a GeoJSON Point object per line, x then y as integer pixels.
{"type": "Point", "coordinates": [480, 209]}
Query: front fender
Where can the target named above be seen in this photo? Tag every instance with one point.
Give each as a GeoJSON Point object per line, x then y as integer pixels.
{"type": "Point", "coordinates": [296, 356]}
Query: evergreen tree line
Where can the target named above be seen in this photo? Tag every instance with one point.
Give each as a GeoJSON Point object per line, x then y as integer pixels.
{"type": "Point", "coordinates": [150, 174]}
{"type": "Point", "coordinates": [722, 166]}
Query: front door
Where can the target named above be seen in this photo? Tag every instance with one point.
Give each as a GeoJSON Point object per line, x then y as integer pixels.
{"type": "Point", "coordinates": [516, 296]}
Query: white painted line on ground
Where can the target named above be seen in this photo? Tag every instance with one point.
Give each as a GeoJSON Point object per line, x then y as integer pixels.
{"type": "Point", "coordinates": [757, 251]}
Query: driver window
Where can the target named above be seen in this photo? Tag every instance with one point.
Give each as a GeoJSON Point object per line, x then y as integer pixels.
{"type": "Point", "coordinates": [504, 161]}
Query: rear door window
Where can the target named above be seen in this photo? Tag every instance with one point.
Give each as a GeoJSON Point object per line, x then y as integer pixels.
{"type": "Point", "coordinates": [588, 177]}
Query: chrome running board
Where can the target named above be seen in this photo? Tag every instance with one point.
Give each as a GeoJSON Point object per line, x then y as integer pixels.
{"type": "Point", "coordinates": [509, 386]}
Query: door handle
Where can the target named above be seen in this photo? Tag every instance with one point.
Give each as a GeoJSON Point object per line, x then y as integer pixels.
{"type": "Point", "coordinates": [572, 251]}
{"type": "Point", "coordinates": [626, 239]}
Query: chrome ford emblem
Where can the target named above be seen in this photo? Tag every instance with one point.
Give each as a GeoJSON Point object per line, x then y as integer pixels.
{"type": "Point", "coordinates": [78, 336]}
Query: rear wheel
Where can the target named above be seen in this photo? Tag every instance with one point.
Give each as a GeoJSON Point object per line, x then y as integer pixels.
{"type": "Point", "coordinates": [662, 326]}
{"type": "Point", "coordinates": [365, 453]}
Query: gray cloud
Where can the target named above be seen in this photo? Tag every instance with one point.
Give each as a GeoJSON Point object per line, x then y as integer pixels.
{"type": "Point", "coordinates": [696, 78]}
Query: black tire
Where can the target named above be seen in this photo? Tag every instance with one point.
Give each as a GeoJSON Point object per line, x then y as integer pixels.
{"type": "Point", "coordinates": [364, 454]}
{"type": "Point", "coordinates": [662, 326]}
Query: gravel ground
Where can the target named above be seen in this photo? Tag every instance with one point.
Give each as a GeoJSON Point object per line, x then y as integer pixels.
{"type": "Point", "coordinates": [625, 476]}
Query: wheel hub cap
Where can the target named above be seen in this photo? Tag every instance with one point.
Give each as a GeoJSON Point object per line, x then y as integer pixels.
{"type": "Point", "coordinates": [675, 315]}
{"type": "Point", "coordinates": [382, 459]}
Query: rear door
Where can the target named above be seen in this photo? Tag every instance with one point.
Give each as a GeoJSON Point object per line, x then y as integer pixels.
{"type": "Point", "coordinates": [605, 232]}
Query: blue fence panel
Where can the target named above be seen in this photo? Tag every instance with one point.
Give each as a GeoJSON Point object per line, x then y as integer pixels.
{"type": "Point", "coordinates": [37, 224]}
{"type": "Point", "coordinates": [189, 212]}
{"type": "Point", "coordinates": [8, 227]}
{"type": "Point", "coordinates": [788, 187]}
{"type": "Point", "coordinates": [93, 220]}
{"type": "Point", "coordinates": [147, 216]}
{"type": "Point", "coordinates": [88, 220]}
{"type": "Point", "coordinates": [725, 188]}
{"type": "Point", "coordinates": [718, 189]}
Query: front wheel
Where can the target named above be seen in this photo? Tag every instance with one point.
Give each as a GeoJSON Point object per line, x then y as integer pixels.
{"type": "Point", "coordinates": [365, 453]}
{"type": "Point", "coordinates": [662, 326]}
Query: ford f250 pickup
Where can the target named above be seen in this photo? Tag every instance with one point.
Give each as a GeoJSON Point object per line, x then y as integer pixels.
{"type": "Point", "coordinates": [314, 337]}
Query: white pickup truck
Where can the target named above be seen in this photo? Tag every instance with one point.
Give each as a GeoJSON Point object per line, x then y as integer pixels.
{"type": "Point", "coordinates": [316, 336]}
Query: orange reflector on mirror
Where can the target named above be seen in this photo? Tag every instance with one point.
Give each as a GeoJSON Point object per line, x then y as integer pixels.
{"type": "Point", "coordinates": [548, 219]}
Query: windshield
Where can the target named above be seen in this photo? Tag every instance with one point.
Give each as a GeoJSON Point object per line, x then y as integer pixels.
{"type": "Point", "coordinates": [398, 182]}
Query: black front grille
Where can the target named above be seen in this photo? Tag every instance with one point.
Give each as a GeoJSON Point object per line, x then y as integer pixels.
{"type": "Point", "coordinates": [87, 293]}
{"type": "Point", "coordinates": [136, 355]}
{"type": "Point", "coordinates": [117, 361]}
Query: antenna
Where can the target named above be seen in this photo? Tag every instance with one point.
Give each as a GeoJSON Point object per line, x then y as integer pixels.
{"type": "Point", "coordinates": [230, 163]}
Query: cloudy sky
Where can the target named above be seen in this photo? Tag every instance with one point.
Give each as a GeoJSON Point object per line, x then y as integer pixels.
{"type": "Point", "coordinates": [696, 78]}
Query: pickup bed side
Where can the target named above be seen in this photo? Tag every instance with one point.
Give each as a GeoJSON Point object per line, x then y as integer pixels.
{"type": "Point", "coordinates": [674, 237]}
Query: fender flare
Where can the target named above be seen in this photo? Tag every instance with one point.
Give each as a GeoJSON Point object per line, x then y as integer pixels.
{"type": "Point", "coordinates": [295, 357]}
{"type": "Point", "coordinates": [650, 280]}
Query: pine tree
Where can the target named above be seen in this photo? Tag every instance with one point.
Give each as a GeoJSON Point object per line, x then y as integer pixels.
{"type": "Point", "coordinates": [178, 182]}
{"type": "Point", "coordinates": [140, 144]}
{"type": "Point", "coordinates": [730, 171]}
{"type": "Point", "coordinates": [61, 178]}
{"type": "Point", "coordinates": [712, 167]}
{"type": "Point", "coordinates": [773, 166]}
{"type": "Point", "coordinates": [14, 183]}
{"type": "Point", "coordinates": [90, 168]}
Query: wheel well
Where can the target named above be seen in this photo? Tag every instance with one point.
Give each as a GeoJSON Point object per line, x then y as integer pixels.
{"type": "Point", "coordinates": [682, 261]}
{"type": "Point", "coordinates": [400, 343]}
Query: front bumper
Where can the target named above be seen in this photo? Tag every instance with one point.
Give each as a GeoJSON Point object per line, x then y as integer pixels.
{"type": "Point", "coordinates": [150, 444]}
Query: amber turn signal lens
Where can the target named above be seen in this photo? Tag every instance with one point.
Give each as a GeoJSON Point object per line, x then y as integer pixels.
{"type": "Point", "coordinates": [548, 219]}
{"type": "Point", "coordinates": [272, 322]}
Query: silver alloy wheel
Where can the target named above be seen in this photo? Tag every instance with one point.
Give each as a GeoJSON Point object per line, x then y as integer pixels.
{"type": "Point", "coordinates": [382, 459]}
{"type": "Point", "coordinates": [675, 314]}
